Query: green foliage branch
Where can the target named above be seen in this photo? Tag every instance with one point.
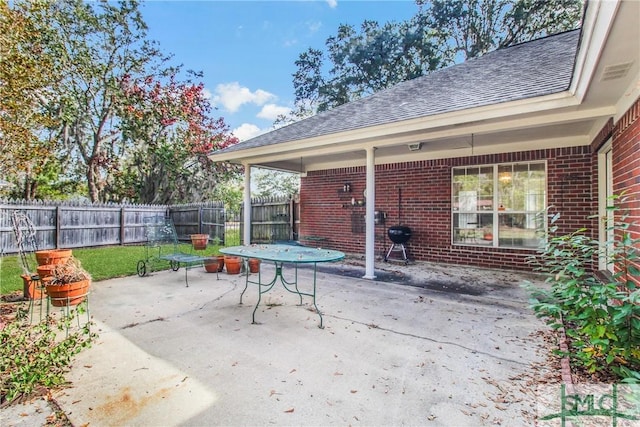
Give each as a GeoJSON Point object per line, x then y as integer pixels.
{"type": "Point", "coordinates": [359, 61]}
{"type": "Point", "coordinates": [38, 355]}
{"type": "Point", "coordinates": [601, 317]}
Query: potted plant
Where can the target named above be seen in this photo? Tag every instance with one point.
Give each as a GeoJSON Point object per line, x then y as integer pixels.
{"type": "Point", "coordinates": [220, 258]}
{"type": "Point", "coordinates": [213, 265]}
{"type": "Point", "coordinates": [68, 284]}
{"type": "Point", "coordinates": [254, 265]}
{"type": "Point", "coordinates": [233, 264]}
{"type": "Point", "coordinates": [199, 241]}
{"type": "Point", "coordinates": [217, 256]}
{"type": "Point", "coordinates": [487, 233]}
{"type": "Point", "coordinates": [53, 256]}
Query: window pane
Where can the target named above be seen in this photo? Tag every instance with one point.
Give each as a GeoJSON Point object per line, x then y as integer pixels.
{"type": "Point", "coordinates": [505, 187]}
{"type": "Point", "coordinates": [485, 226]}
{"type": "Point", "coordinates": [485, 187]}
{"type": "Point", "coordinates": [519, 230]}
{"type": "Point", "coordinates": [465, 228]}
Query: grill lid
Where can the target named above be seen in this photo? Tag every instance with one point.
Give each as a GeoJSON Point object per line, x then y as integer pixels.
{"type": "Point", "coordinates": [399, 233]}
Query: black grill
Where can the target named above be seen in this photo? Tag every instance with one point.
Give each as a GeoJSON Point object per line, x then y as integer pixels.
{"type": "Point", "coordinates": [399, 234]}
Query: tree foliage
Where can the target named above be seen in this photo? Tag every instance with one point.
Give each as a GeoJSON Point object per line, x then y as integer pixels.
{"type": "Point", "coordinates": [85, 86]}
{"type": "Point", "coordinates": [357, 63]}
{"type": "Point", "coordinates": [102, 43]}
{"type": "Point", "coordinates": [169, 126]}
{"type": "Point", "coordinates": [28, 78]}
{"type": "Point", "coordinates": [271, 183]}
{"type": "Point", "coordinates": [470, 28]}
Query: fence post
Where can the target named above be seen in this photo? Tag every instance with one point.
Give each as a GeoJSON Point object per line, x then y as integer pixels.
{"type": "Point", "coordinates": [122, 226]}
{"type": "Point", "coordinates": [291, 218]}
{"type": "Point", "coordinates": [58, 215]}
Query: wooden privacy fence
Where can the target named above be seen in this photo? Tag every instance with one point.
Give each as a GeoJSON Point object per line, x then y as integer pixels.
{"type": "Point", "coordinates": [273, 219]}
{"type": "Point", "coordinates": [75, 225]}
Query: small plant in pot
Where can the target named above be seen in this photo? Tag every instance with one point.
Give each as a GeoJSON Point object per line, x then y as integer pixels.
{"type": "Point", "coordinates": [487, 233]}
{"type": "Point", "coordinates": [68, 284]}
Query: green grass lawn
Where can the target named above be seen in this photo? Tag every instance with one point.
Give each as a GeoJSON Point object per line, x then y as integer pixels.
{"type": "Point", "coordinates": [102, 263]}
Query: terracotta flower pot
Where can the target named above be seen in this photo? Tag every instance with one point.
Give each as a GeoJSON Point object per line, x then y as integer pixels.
{"type": "Point", "coordinates": [46, 270]}
{"type": "Point", "coordinates": [254, 265]}
{"type": "Point", "coordinates": [211, 266]}
{"type": "Point", "coordinates": [53, 256]}
{"type": "Point", "coordinates": [32, 289]}
{"type": "Point", "coordinates": [233, 264]}
{"type": "Point", "coordinates": [199, 241]}
{"type": "Point", "coordinates": [220, 259]}
{"type": "Point", "coordinates": [69, 294]}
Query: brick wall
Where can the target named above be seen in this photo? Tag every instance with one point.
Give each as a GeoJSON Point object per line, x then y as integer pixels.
{"type": "Point", "coordinates": [425, 188]}
{"type": "Point", "coordinates": [626, 167]}
{"type": "Point", "coordinates": [626, 160]}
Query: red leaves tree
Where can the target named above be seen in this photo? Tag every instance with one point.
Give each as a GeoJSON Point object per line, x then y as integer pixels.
{"type": "Point", "coordinates": [169, 126]}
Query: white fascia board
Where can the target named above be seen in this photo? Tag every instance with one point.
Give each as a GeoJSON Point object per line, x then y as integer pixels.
{"type": "Point", "coordinates": [596, 26]}
{"type": "Point", "coordinates": [379, 133]}
{"type": "Point", "coordinates": [389, 139]}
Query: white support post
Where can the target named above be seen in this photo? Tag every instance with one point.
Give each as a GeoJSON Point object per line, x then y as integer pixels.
{"type": "Point", "coordinates": [246, 238]}
{"type": "Point", "coordinates": [370, 225]}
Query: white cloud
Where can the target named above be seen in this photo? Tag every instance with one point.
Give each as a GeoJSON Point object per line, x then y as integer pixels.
{"type": "Point", "coordinates": [332, 3]}
{"type": "Point", "coordinates": [232, 96]}
{"type": "Point", "coordinates": [272, 111]}
{"type": "Point", "coordinates": [290, 42]}
{"type": "Point", "coordinates": [247, 131]}
{"type": "Point", "coordinates": [314, 26]}
{"type": "Point", "coordinates": [206, 93]}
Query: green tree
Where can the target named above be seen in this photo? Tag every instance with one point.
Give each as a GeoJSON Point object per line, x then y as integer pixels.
{"type": "Point", "coordinates": [470, 28]}
{"type": "Point", "coordinates": [271, 183]}
{"type": "Point", "coordinates": [359, 63]}
{"type": "Point", "coordinates": [28, 76]}
{"type": "Point", "coordinates": [169, 124]}
{"type": "Point", "coordinates": [231, 193]}
{"type": "Point", "coordinates": [102, 42]}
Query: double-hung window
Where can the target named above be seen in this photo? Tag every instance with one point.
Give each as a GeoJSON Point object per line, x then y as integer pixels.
{"type": "Point", "coordinates": [499, 205]}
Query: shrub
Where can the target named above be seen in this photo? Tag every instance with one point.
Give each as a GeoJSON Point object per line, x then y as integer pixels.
{"type": "Point", "coordinates": [601, 317]}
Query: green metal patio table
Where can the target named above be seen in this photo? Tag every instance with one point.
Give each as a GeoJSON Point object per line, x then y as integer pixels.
{"type": "Point", "coordinates": [281, 255]}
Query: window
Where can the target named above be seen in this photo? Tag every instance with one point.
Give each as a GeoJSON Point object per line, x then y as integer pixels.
{"type": "Point", "coordinates": [499, 205]}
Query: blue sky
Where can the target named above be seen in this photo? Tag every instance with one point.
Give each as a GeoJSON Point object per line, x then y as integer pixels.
{"type": "Point", "coordinates": [247, 49]}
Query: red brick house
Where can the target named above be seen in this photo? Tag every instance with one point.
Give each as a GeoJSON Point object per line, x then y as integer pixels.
{"type": "Point", "coordinates": [469, 156]}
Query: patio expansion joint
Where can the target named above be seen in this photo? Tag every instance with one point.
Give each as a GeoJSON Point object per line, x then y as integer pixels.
{"type": "Point", "coordinates": [407, 334]}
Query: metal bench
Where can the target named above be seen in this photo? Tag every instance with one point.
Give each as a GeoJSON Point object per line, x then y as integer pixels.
{"type": "Point", "coordinates": [162, 245]}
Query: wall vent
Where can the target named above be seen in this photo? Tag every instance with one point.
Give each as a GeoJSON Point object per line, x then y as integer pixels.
{"type": "Point", "coordinates": [613, 72]}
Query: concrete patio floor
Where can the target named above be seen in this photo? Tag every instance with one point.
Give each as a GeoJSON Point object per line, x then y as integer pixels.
{"type": "Point", "coordinates": [454, 348]}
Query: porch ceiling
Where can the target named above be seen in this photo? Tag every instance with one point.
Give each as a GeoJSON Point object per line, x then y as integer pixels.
{"type": "Point", "coordinates": [605, 83]}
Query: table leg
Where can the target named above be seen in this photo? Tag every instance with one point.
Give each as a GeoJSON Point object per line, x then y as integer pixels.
{"type": "Point", "coordinates": [289, 286]}
{"type": "Point", "coordinates": [267, 287]}
{"type": "Point", "coordinates": [314, 295]}
{"type": "Point", "coordinates": [297, 291]}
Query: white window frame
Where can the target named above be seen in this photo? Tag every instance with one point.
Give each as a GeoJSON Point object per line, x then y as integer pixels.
{"type": "Point", "coordinates": [495, 211]}
{"type": "Point", "coordinates": [605, 192]}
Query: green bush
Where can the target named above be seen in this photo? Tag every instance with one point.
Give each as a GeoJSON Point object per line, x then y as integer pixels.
{"type": "Point", "coordinates": [601, 317]}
